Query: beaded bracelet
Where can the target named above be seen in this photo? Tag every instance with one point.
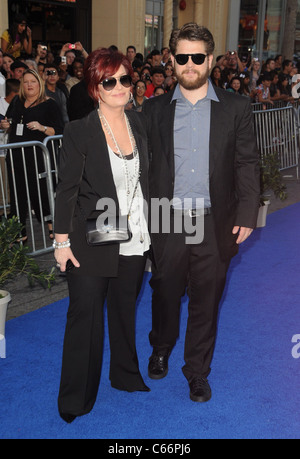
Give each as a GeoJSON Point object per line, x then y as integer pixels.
{"type": "Point", "coordinates": [61, 245]}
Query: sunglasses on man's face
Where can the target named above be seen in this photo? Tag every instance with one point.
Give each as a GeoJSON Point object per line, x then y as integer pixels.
{"type": "Point", "coordinates": [197, 58]}
{"type": "Point", "coordinates": [109, 83]}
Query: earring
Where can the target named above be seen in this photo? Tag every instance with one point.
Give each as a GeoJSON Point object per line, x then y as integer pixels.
{"type": "Point", "coordinates": [130, 98]}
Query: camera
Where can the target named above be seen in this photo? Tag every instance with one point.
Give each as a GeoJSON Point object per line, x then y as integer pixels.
{"type": "Point", "coordinates": [231, 53]}
{"type": "Point", "coordinates": [44, 47]}
{"type": "Point", "coordinates": [51, 72]}
{"type": "Point", "coordinates": [147, 76]}
{"type": "Point", "coordinates": [63, 59]}
{"type": "Point", "coordinates": [71, 46]}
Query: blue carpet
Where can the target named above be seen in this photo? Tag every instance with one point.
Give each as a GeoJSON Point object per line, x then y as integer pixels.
{"type": "Point", "coordinates": [255, 379]}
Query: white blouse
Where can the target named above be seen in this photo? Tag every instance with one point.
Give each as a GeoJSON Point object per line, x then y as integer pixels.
{"type": "Point", "coordinates": [140, 241]}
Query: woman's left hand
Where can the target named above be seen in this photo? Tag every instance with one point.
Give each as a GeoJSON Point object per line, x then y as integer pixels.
{"type": "Point", "coordinates": [35, 126]}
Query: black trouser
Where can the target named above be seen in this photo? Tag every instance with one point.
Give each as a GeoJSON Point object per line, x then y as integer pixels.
{"type": "Point", "coordinates": [200, 269]}
{"type": "Point", "coordinates": [83, 343]}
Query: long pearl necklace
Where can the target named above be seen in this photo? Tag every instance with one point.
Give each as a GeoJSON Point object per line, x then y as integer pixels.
{"type": "Point", "coordinates": [129, 180]}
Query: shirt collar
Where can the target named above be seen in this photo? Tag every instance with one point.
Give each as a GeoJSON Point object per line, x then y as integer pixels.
{"type": "Point", "coordinates": [211, 93]}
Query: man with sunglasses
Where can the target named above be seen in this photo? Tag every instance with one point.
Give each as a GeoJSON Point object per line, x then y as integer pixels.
{"type": "Point", "coordinates": [51, 78]}
{"type": "Point", "coordinates": [204, 160]}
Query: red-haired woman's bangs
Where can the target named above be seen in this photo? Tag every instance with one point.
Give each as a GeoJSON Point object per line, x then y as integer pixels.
{"type": "Point", "coordinates": [101, 64]}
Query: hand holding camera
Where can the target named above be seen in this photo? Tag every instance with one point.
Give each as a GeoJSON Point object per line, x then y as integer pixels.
{"type": "Point", "coordinates": [51, 72]}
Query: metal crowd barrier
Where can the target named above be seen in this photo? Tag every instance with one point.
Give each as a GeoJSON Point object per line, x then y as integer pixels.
{"type": "Point", "coordinates": [277, 131]}
{"type": "Point", "coordinates": [44, 156]}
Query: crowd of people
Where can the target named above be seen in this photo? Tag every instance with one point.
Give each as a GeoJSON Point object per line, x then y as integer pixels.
{"type": "Point", "coordinates": [276, 79]}
{"type": "Point", "coordinates": [153, 75]}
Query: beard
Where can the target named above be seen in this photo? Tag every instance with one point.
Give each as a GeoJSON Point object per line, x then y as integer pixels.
{"type": "Point", "coordinates": [190, 85]}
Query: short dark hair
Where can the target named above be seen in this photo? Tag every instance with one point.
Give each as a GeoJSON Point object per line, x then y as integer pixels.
{"type": "Point", "coordinates": [158, 69]}
{"type": "Point", "coordinates": [266, 77]}
{"type": "Point", "coordinates": [12, 85]}
{"type": "Point", "coordinates": [155, 52]}
{"type": "Point", "coordinates": [192, 32]}
{"type": "Point", "coordinates": [17, 65]}
{"type": "Point", "coordinates": [286, 63]}
{"type": "Point", "coordinates": [51, 66]}
{"type": "Point", "coordinates": [131, 47]}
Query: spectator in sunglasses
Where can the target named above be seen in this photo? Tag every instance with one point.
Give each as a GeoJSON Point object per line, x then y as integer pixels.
{"type": "Point", "coordinates": [51, 78]}
{"type": "Point", "coordinates": [104, 156]}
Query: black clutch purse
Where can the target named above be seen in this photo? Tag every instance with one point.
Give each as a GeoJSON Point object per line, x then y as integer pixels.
{"type": "Point", "coordinates": [112, 230]}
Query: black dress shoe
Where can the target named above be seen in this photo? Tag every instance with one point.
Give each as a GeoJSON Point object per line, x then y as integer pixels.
{"type": "Point", "coordinates": [200, 390]}
{"type": "Point", "coordinates": [158, 364]}
{"type": "Point", "coordinates": [68, 417]}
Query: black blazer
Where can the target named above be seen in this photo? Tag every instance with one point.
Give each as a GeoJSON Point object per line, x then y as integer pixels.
{"type": "Point", "coordinates": [84, 176]}
{"type": "Point", "coordinates": [233, 163]}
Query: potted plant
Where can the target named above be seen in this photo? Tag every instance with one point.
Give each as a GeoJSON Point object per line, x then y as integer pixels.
{"type": "Point", "coordinates": [270, 180]}
{"type": "Point", "coordinates": [15, 261]}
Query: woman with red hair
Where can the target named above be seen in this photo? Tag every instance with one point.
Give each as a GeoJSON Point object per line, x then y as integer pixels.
{"type": "Point", "coordinates": [104, 162]}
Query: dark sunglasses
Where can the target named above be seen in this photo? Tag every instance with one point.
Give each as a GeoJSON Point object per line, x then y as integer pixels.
{"type": "Point", "coordinates": [198, 58]}
{"type": "Point", "coordinates": [109, 83]}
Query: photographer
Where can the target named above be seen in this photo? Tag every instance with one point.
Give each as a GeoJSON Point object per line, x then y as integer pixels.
{"type": "Point", "coordinates": [41, 54]}
{"type": "Point", "coordinates": [73, 47]}
{"type": "Point", "coordinates": [231, 61]}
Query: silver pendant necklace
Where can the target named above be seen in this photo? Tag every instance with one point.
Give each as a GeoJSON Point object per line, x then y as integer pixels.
{"type": "Point", "coordinates": [129, 179]}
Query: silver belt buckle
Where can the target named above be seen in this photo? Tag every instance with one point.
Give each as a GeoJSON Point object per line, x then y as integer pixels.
{"type": "Point", "coordinates": [192, 213]}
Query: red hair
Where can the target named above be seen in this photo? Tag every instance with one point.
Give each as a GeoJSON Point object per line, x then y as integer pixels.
{"type": "Point", "coordinates": [101, 64]}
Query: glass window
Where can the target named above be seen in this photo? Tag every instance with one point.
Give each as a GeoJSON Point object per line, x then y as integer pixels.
{"type": "Point", "coordinates": [151, 33]}
{"type": "Point", "coordinates": [267, 15]}
{"type": "Point", "coordinates": [272, 34]}
{"type": "Point", "coordinates": [153, 25]}
{"type": "Point", "coordinates": [248, 25]}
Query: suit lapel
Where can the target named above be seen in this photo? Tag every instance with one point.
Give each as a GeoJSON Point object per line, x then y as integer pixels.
{"type": "Point", "coordinates": [217, 118]}
{"type": "Point", "coordinates": [102, 180]}
{"type": "Point", "coordinates": [166, 119]}
{"type": "Point", "coordinates": [141, 143]}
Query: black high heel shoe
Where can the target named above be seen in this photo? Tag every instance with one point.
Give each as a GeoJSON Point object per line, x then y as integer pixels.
{"type": "Point", "coordinates": [67, 417]}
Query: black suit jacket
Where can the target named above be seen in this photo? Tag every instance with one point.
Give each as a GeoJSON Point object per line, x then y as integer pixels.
{"type": "Point", "coordinates": [233, 163]}
{"type": "Point", "coordinates": [85, 176]}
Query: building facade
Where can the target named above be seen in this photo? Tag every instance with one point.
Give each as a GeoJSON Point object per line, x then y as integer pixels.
{"type": "Point", "coordinates": [255, 26]}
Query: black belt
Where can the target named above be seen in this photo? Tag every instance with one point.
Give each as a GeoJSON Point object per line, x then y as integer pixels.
{"type": "Point", "coordinates": [192, 212]}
